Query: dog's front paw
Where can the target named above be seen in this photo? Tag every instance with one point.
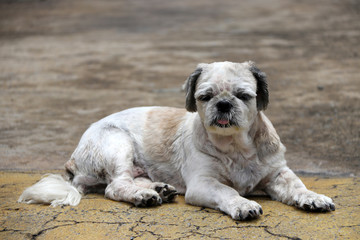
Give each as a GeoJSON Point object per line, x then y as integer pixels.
{"type": "Point", "coordinates": [314, 202]}
{"type": "Point", "coordinates": [246, 210]}
{"type": "Point", "coordinates": [167, 192]}
{"type": "Point", "coordinates": [147, 198]}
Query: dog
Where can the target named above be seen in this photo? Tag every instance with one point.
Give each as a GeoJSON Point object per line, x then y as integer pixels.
{"type": "Point", "coordinates": [217, 150]}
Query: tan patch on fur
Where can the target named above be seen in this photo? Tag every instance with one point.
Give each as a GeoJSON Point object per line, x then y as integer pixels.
{"type": "Point", "coordinates": [265, 137]}
{"type": "Point", "coordinates": [161, 132]}
{"type": "Point", "coordinates": [70, 165]}
{"type": "Point", "coordinates": [70, 168]}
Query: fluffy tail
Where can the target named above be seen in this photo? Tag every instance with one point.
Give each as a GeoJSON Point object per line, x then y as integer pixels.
{"type": "Point", "coordinates": [51, 189]}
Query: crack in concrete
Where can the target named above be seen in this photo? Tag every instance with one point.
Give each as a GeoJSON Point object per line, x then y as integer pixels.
{"type": "Point", "coordinates": [11, 209]}
{"type": "Point", "coordinates": [53, 218]}
{"type": "Point", "coordinates": [350, 226]}
{"type": "Point", "coordinates": [155, 223]}
{"type": "Point", "coordinates": [68, 223]}
{"type": "Point", "coordinates": [93, 222]}
{"type": "Point", "coordinates": [6, 185]}
{"type": "Point", "coordinates": [239, 227]}
{"type": "Point", "coordinates": [280, 235]}
{"type": "Point", "coordinates": [140, 233]}
{"type": "Point", "coordinates": [265, 227]}
{"type": "Point", "coordinates": [193, 234]}
{"type": "Point", "coordinates": [10, 230]}
{"type": "Point", "coordinates": [71, 223]}
{"type": "Point", "coordinates": [36, 235]}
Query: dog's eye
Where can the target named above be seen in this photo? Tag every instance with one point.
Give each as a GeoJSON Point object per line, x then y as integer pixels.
{"type": "Point", "coordinates": [205, 98]}
{"type": "Point", "coordinates": [244, 96]}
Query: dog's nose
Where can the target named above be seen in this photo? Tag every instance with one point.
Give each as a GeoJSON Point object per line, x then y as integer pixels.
{"type": "Point", "coordinates": [224, 106]}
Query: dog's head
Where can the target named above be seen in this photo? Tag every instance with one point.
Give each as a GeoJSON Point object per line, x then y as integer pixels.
{"type": "Point", "coordinates": [226, 95]}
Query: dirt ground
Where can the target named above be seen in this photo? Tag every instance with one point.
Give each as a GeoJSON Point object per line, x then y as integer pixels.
{"type": "Point", "coordinates": [65, 64]}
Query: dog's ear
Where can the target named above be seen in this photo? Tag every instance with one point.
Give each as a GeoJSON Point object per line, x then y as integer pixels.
{"type": "Point", "coordinates": [266, 139]}
{"type": "Point", "coordinates": [190, 86]}
{"type": "Point", "coordinates": [262, 93]}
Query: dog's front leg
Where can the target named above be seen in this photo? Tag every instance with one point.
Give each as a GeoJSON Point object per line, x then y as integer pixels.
{"type": "Point", "coordinates": [286, 187]}
{"type": "Point", "coordinates": [209, 192]}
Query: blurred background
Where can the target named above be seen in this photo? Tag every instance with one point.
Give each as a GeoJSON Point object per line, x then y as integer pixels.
{"type": "Point", "coordinates": [66, 64]}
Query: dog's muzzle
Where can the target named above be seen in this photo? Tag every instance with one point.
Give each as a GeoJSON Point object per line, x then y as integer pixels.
{"type": "Point", "coordinates": [223, 117]}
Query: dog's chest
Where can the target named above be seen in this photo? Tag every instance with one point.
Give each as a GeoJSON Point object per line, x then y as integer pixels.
{"type": "Point", "coordinates": [245, 173]}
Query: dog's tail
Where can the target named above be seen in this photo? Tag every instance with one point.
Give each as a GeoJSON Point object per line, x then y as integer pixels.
{"type": "Point", "coordinates": [51, 189]}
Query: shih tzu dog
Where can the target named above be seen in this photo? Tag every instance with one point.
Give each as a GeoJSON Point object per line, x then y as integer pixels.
{"type": "Point", "coordinates": [221, 148]}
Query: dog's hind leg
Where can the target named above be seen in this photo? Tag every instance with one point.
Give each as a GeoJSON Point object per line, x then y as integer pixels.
{"type": "Point", "coordinates": [82, 182]}
{"type": "Point", "coordinates": [88, 184]}
{"type": "Point", "coordinates": [167, 192]}
{"type": "Point", "coordinates": [121, 186]}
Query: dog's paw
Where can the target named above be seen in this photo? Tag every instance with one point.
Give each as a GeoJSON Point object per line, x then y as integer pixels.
{"type": "Point", "coordinates": [147, 198]}
{"type": "Point", "coordinates": [167, 192]}
{"type": "Point", "coordinates": [314, 202]}
{"type": "Point", "coordinates": [246, 210]}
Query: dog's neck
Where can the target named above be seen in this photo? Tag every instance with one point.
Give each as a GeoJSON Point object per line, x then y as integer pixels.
{"type": "Point", "coordinates": [239, 142]}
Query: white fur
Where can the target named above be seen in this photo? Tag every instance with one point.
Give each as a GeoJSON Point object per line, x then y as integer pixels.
{"type": "Point", "coordinates": [51, 189]}
{"type": "Point", "coordinates": [143, 154]}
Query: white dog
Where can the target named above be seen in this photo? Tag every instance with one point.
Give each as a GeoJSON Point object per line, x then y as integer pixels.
{"type": "Point", "coordinates": [226, 150]}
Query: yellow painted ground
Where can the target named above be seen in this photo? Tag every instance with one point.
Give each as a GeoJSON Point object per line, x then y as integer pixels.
{"type": "Point", "coordinates": [99, 218]}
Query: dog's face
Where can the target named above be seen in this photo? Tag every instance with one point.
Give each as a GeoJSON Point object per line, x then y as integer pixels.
{"type": "Point", "coordinates": [226, 95]}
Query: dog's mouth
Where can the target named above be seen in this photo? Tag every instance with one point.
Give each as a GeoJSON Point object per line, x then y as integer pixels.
{"type": "Point", "coordinates": [222, 123]}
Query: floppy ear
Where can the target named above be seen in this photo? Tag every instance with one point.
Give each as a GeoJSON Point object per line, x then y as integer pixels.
{"type": "Point", "coordinates": [262, 93]}
{"type": "Point", "coordinates": [190, 86]}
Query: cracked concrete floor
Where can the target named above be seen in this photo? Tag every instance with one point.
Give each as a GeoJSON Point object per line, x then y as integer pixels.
{"type": "Point", "coordinates": [99, 218]}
